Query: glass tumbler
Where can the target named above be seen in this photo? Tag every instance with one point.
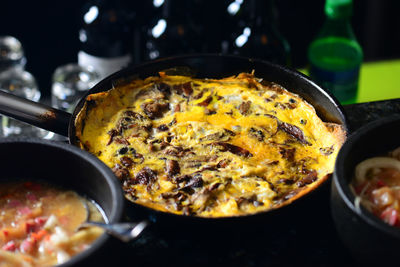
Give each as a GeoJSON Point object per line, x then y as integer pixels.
{"type": "Point", "coordinates": [20, 83]}
{"type": "Point", "coordinates": [11, 53]}
{"type": "Point", "coordinates": [70, 83]}
{"type": "Point", "coordinates": [15, 80]}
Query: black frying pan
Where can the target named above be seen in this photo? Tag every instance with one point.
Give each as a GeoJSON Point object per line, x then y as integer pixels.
{"type": "Point", "coordinates": [204, 66]}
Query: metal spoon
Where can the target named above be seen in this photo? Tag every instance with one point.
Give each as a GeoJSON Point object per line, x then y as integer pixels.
{"type": "Point", "coordinates": [123, 231]}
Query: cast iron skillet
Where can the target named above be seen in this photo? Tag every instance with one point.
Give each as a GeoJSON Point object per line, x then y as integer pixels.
{"type": "Point", "coordinates": [35, 159]}
{"type": "Point", "coordinates": [204, 66]}
{"type": "Point", "coordinates": [369, 239]}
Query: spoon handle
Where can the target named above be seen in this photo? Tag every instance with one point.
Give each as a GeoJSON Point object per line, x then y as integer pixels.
{"type": "Point", "coordinates": [123, 231]}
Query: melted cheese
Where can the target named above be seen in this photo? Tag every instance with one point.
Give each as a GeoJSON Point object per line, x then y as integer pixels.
{"type": "Point", "coordinates": [209, 147]}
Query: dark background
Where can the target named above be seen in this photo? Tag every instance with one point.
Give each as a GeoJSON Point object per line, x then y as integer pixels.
{"type": "Point", "coordinates": [48, 30]}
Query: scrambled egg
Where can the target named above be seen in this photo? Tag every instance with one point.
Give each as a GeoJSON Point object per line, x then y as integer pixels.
{"type": "Point", "coordinates": [209, 147]}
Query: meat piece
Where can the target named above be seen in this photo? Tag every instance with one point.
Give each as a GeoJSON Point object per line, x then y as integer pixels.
{"type": "Point", "coordinates": [185, 89]}
{"type": "Point", "coordinates": [283, 106]}
{"type": "Point", "coordinates": [177, 196]}
{"type": "Point", "coordinates": [188, 190]}
{"type": "Point", "coordinates": [191, 182]}
{"type": "Point", "coordinates": [287, 153]}
{"type": "Point", "coordinates": [129, 190]}
{"type": "Point", "coordinates": [121, 140]}
{"type": "Point", "coordinates": [277, 88]}
{"type": "Point", "coordinates": [112, 133]}
{"type": "Point", "coordinates": [199, 95]}
{"type": "Point", "coordinates": [212, 167]}
{"type": "Point", "coordinates": [294, 131]}
{"type": "Point", "coordinates": [121, 172]}
{"type": "Point", "coordinates": [195, 161]}
{"type": "Point", "coordinates": [205, 102]}
{"type": "Point", "coordinates": [152, 148]}
{"type": "Point", "coordinates": [233, 149]}
{"type": "Point", "coordinates": [274, 162]}
{"type": "Point", "coordinates": [137, 118]}
{"type": "Point", "coordinates": [146, 176]}
{"type": "Point", "coordinates": [163, 145]}
{"type": "Point", "coordinates": [219, 136]}
{"type": "Point", "coordinates": [288, 195]}
{"type": "Point", "coordinates": [196, 181]}
{"type": "Point", "coordinates": [172, 167]}
{"type": "Point", "coordinates": [267, 83]}
{"type": "Point", "coordinates": [159, 91]}
{"type": "Point", "coordinates": [132, 114]}
{"type": "Point", "coordinates": [126, 161]}
{"type": "Point", "coordinates": [245, 107]}
{"type": "Point", "coordinates": [139, 158]}
{"type": "Point", "coordinates": [252, 83]}
{"type": "Point", "coordinates": [175, 199]}
{"type": "Point", "coordinates": [177, 108]}
{"type": "Point", "coordinates": [181, 179]}
{"type": "Point", "coordinates": [176, 151]}
{"type": "Point", "coordinates": [164, 88]}
{"type": "Point", "coordinates": [133, 124]}
{"type": "Point", "coordinates": [286, 181]}
{"type": "Point", "coordinates": [154, 109]}
{"type": "Point", "coordinates": [214, 187]}
{"type": "Point", "coordinates": [310, 178]}
{"type": "Point", "coordinates": [223, 163]}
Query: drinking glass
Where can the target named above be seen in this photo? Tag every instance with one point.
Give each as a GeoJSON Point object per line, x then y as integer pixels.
{"type": "Point", "coordinates": [15, 80]}
{"type": "Point", "coordinates": [70, 83]}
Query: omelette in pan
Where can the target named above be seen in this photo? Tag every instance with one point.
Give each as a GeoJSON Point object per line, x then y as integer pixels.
{"type": "Point", "coordinates": [209, 147]}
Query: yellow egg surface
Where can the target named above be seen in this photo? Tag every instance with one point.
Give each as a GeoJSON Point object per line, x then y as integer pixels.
{"type": "Point", "coordinates": [209, 147]}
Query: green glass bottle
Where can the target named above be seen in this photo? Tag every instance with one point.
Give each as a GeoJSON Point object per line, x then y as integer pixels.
{"type": "Point", "coordinates": [335, 56]}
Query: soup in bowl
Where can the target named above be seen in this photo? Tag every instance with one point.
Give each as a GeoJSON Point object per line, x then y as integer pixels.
{"type": "Point", "coordinates": [47, 191]}
{"type": "Point", "coordinates": [364, 197]}
{"type": "Point", "coordinates": [40, 224]}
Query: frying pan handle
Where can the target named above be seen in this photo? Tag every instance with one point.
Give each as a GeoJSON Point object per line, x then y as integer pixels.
{"type": "Point", "coordinates": [37, 114]}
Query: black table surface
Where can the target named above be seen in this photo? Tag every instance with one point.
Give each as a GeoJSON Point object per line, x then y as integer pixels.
{"type": "Point", "coordinates": [302, 242]}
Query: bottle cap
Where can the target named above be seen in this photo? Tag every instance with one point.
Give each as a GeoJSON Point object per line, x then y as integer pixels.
{"type": "Point", "coordinates": [338, 8]}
